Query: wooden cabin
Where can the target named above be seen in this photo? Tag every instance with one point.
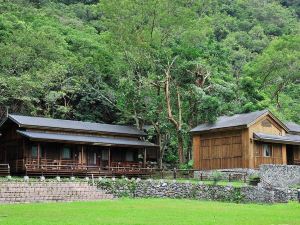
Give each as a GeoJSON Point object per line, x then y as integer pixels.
{"type": "Point", "coordinates": [51, 147]}
{"type": "Point", "coordinates": [245, 141]}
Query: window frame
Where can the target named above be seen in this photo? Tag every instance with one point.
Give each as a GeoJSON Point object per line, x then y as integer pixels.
{"type": "Point", "coordinates": [264, 150]}
{"type": "Point", "coordinates": [129, 156]}
{"type": "Point", "coordinates": [34, 156]}
{"type": "Point", "coordinates": [62, 153]}
{"type": "Point", "coordinates": [104, 154]}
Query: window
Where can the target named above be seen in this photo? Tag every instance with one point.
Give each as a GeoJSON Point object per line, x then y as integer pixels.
{"type": "Point", "coordinates": [104, 155]}
{"type": "Point", "coordinates": [129, 156]}
{"type": "Point", "coordinates": [66, 153]}
{"type": "Point", "coordinates": [34, 151]}
{"type": "Point", "coordinates": [267, 150]}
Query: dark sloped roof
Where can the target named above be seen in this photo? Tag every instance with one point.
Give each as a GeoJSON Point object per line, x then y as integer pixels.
{"type": "Point", "coordinates": [287, 139]}
{"type": "Point", "coordinates": [293, 127]}
{"type": "Point", "coordinates": [28, 121]}
{"type": "Point", "coordinates": [230, 121]}
{"type": "Point", "coordinates": [93, 140]}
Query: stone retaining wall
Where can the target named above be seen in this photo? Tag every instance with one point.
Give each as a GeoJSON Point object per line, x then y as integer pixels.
{"type": "Point", "coordinates": [17, 192]}
{"type": "Point", "coordinates": [162, 189]}
{"type": "Point", "coordinates": [280, 175]}
{"type": "Point", "coordinates": [292, 194]}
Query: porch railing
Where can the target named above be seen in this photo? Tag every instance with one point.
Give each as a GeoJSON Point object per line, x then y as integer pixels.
{"type": "Point", "coordinates": [71, 167]}
{"type": "Point", "coordinates": [297, 162]}
{"type": "Point", "coordinates": [4, 169]}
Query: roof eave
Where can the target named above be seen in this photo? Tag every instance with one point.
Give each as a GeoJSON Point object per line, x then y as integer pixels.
{"type": "Point", "coordinates": [276, 141]}
{"type": "Point", "coordinates": [258, 118]}
{"type": "Point", "coordinates": [79, 130]}
{"type": "Point", "coordinates": [94, 144]}
{"type": "Point", "coordinates": [149, 145]}
{"type": "Point", "coordinates": [142, 134]}
{"type": "Point", "coordinates": [219, 129]}
{"type": "Point", "coordinates": [268, 112]}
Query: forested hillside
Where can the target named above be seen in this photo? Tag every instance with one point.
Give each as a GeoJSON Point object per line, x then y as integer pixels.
{"type": "Point", "coordinates": [170, 64]}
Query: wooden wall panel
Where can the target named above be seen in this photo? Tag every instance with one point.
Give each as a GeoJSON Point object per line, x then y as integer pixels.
{"type": "Point", "coordinates": [219, 150]}
{"type": "Point", "coordinates": [276, 158]}
{"type": "Point", "coordinates": [196, 151]}
{"type": "Point", "coordinates": [296, 152]}
{"type": "Point", "coordinates": [269, 126]}
{"type": "Point", "coordinates": [237, 148]}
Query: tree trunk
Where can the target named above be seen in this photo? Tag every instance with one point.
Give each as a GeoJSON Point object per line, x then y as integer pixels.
{"type": "Point", "coordinates": [161, 151]}
{"type": "Point", "coordinates": [180, 147]}
{"type": "Point", "coordinates": [177, 123]}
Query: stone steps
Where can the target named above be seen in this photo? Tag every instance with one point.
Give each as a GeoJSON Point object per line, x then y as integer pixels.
{"type": "Point", "coordinates": [22, 192]}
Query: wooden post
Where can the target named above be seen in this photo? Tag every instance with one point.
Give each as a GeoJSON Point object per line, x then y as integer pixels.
{"type": "Point", "coordinates": [145, 157]}
{"type": "Point", "coordinates": [175, 173]}
{"type": "Point", "coordinates": [38, 154]}
{"type": "Point", "coordinates": [81, 154]}
{"type": "Point", "coordinates": [45, 156]}
{"type": "Point", "coordinates": [24, 149]}
{"type": "Point", "coordinates": [109, 157]}
{"type": "Point", "coordinates": [162, 173]}
{"type": "Point", "coordinates": [5, 154]}
{"type": "Point", "coordinates": [284, 156]}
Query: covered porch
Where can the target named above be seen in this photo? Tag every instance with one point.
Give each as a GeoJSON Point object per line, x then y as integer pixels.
{"type": "Point", "coordinates": [275, 149]}
{"type": "Point", "coordinates": [51, 154]}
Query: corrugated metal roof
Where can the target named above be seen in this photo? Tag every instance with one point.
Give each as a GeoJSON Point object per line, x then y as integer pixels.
{"type": "Point", "coordinates": [287, 139]}
{"type": "Point", "coordinates": [28, 121]}
{"type": "Point", "coordinates": [293, 127]}
{"type": "Point", "coordinates": [230, 121]}
{"type": "Point", "coordinates": [94, 140]}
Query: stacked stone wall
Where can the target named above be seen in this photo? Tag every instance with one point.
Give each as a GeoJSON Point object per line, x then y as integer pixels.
{"type": "Point", "coordinates": [280, 175]}
{"type": "Point", "coordinates": [163, 189]}
{"type": "Point", "coordinates": [22, 192]}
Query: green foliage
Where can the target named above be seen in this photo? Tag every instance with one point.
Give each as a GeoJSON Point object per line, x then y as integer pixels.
{"type": "Point", "coordinates": [237, 196]}
{"type": "Point", "coordinates": [254, 179]}
{"type": "Point", "coordinates": [188, 165]}
{"type": "Point", "coordinates": [216, 177]}
{"type": "Point", "coordinates": [118, 187]}
{"type": "Point", "coordinates": [105, 61]}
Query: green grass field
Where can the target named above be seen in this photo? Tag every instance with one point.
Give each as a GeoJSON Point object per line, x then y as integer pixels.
{"type": "Point", "coordinates": [149, 211]}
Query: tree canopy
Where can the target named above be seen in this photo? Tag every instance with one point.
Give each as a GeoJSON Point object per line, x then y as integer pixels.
{"type": "Point", "coordinates": [171, 64]}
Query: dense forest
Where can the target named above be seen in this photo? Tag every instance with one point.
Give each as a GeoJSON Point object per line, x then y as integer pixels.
{"type": "Point", "coordinates": [170, 64]}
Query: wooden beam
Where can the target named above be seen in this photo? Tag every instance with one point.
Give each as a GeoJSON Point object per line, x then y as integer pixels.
{"type": "Point", "coordinates": [284, 156]}
{"type": "Point", "coordinates": [81, 155]}
{"type": "Point", "coordinates": [24, 149]}
{"type": "Point", "coordinates": [145, 157]}
{"type": "Point", "coordinates": [5, 155]}
{"type": "Point", "coordinates": [109, 157]}
{"type": "Point", "coordinates": [196, 151]}
{"type": "Point", "coordinates": [45, 153]}
{"type": "Point", "coordinates": [38, 154]}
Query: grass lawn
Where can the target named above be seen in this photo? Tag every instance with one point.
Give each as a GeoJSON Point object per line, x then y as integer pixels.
{"type": "Point", "coordinates": [150, 211]}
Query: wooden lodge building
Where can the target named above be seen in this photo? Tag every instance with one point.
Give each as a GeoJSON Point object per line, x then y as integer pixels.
{"type": "Point", "coordinates": [245, 141]}
{"type": "Point", "coordinates": [51, 147]}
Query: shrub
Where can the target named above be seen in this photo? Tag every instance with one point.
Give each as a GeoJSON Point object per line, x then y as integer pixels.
{"type": "Point", "coordinates": [216, 176]}
{"type": "Point", "coordinates": [187, 166]}
{"type": "Point", "coordinates": [254, 180]}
